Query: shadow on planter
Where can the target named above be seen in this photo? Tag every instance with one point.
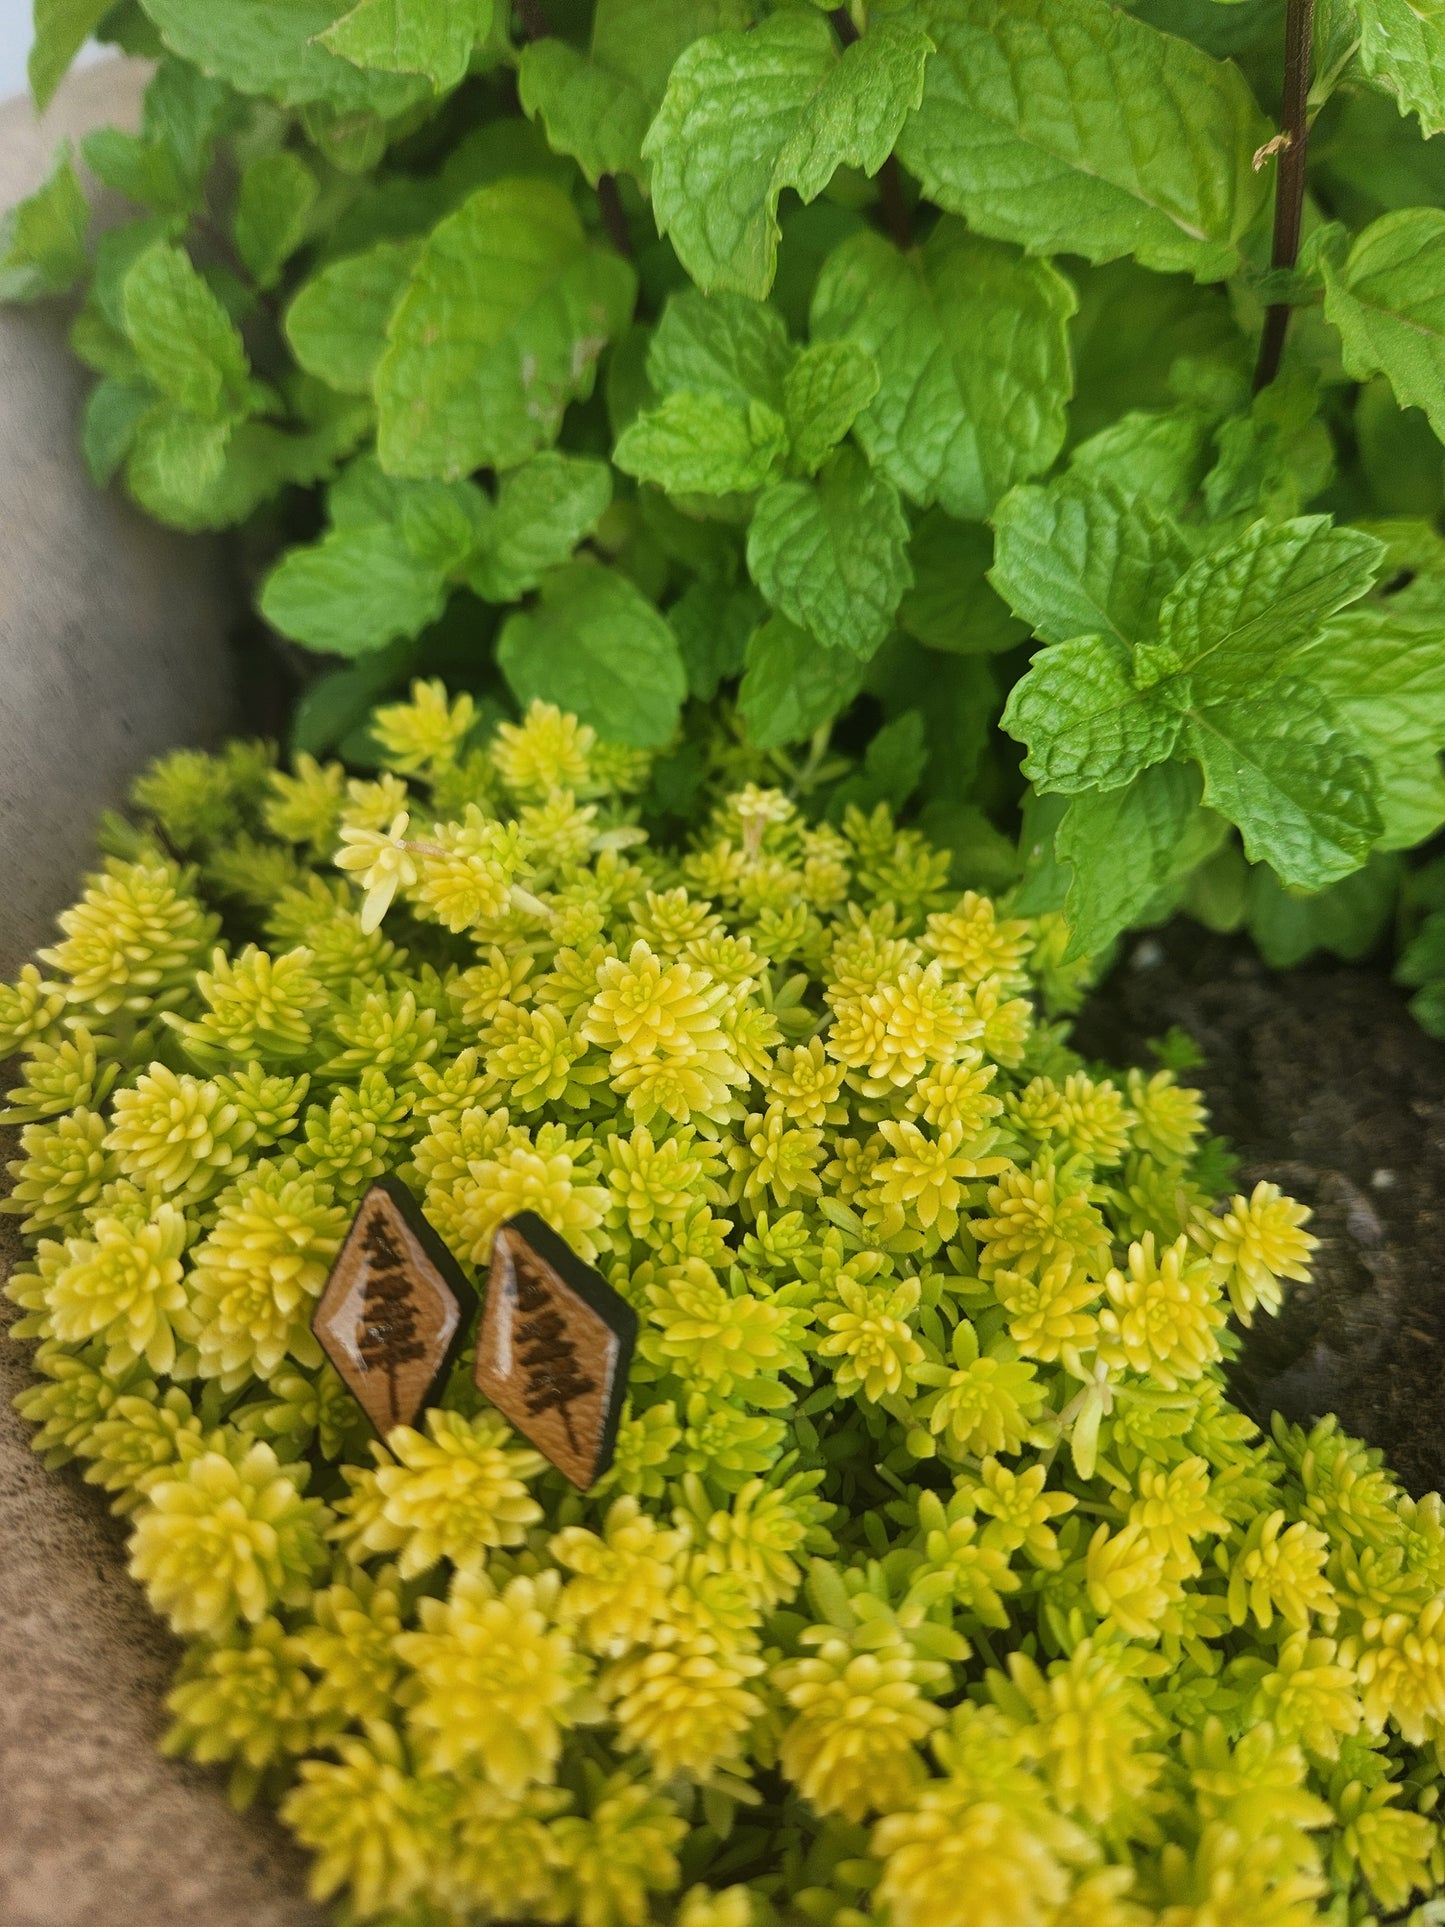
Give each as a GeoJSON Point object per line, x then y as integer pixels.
{"type": "Point", "coordinates": [112, 631]}
{"type": "Point", "coordinates": [112, 647]}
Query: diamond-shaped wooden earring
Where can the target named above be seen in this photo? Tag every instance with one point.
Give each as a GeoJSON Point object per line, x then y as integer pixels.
{"type": "Point", "coordinates": [554, 1347]}
{"type": "Point", "coordinates": [395, 1310]}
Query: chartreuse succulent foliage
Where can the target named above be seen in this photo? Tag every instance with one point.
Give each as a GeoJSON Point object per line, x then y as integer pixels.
{"type": "Point", "coordinates": [627, 352]}
{"type": "Point", "coordinates": [937, 1582]}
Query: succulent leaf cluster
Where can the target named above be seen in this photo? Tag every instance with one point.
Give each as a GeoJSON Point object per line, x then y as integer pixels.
{"type": "Point", "coordinates": [936, 1582]}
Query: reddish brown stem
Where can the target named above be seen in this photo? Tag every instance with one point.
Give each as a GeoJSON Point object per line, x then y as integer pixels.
{"type": "Point", "coordinates": [614, 216]}
{"type": "Point", "coordinates": [532, 16]}
{"type": "Point", "coordinates": [897, 215]}
{"type": "Point", "coordinates": [1289, 187]}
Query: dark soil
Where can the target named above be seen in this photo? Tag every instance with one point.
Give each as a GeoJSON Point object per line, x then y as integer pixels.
{"type": "Point", "coordinates": [1324, 1084]}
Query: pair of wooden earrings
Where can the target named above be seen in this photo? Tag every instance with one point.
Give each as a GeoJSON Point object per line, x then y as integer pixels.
{"type": "Point", "coordinates": [553, 1346]}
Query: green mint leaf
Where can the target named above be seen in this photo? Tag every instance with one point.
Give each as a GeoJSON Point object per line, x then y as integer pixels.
{"type": "Point", "coordinates": [1388, 302]}
{"type": "Point", "coordinates": [42, 238]}
{"type": "Point", "coordinates": [893, 767]}
{"type": "Point", "coordinates": [958, 699]}
{"type": "Point", "coordinates": [430, 37]}
{"type": "Point", "coordinates": [595, 114]}
{"type": "Point", "coordinates": [1374, 158]}
{"type": "Point", "coordinates": [355, 590]}
{"type": "Point", "coordinates": [832, 554]}
{"type": "Point", "coordinates": [727, 345]}
{"type": "Point", "coordinates": [626, 388]}
{"type": "Point", "coordinates": [1137, 333]}
{"type": "Point", "coordinates": [1123, 847]}
{"type": "Point", "coordinates": [791, 686]}
{"type": "Point", "coordinates": [1238, 612]}
{"type": "Point", "coordinates": [542, 511]}
{"type": "Point", "coordinates": [165, 166]}
{"type": "Point", "coordinates": [274, 47]}
{"type": "Point", "coordinates": [439, 522]}
{"type": "Point", "coordinates": [713, 627]}
{"type": "Point", "coordinates": [596, 646]}
{"type": "Point", "coordinates": [704, 546]}
{"type": "Point", "coordinates": [733, 101]}
{"type": "Point", "coordinates": [1275, 457]}
{"type": "Point", "coordinates": [952, 606]}
{"type": "Point", "coordinates": [116, 252]}
{"type": "Point", "coordinates": [704, 445]}
{"type": "Point", "coordinates": [1080, 557]}
{"type": "Point", "coordinates": [1403, 49]}
{"type": "Point", "coordinates": [186, 112]}
{"type": "Point", "coordinates": [809, 236]}
{"type": "Point", "coordinates": [337, 323]}
{"type": "Point", "coordinates": [972, 348]}
{"type": "Point", "coordinates": [1382, 670]}
{"type": "Point", "coordinates": [144, 171]}
{"type": "Point", "coordinates": [1045, 880]}
{"type": "Point", "coordinates": [199, 475]}
{"type": "Point", "coordinates": [176, 459]}
{"type": "Point", "coordinates": [499, 328]}
{"type": "Point", "coordinates": [598, 107]}
{"type": "Point", "coordinates": [62, 28]}
{"type": "Point", "coordinates": [747, 114]}
{"type": "Point", "coordinates": [1280, 766]}
{"type": "Point", "coordinates": [1424, 956]}
{"type": "Point", "coordinates": [1401, 459]}
{"type": "Point", "coordinates": [100, 347]}
{"type": "Point", "coordinates": [826, 389]}
{"type": "Point", "coordinates": [1068, 126]}
{"type": "Point", "coordinates": [329, 709]}
{"type": "Point", "coordinates": [362, 493]}
{"type": "Point", "coordinates": [185, 341]}
{"type": "Point", "coordinates": [113, 409]}
{"type": "Point", "coordinates": [856, 115]}
{"type": "Point", "coordinates": [351, 142]}
{"type": "Point", "coordinates": [1085, 724]}
{"type": "Point", "coordinates": [442, 523]}
{"type": "Point", "coordinates": [1157, 456]}
{"type": "Point", "coordinates": [273, 209]}
{"type": "Point", "coordinates": [983, 857]}
{"type": "Point", "coordinates": [1348, 919]}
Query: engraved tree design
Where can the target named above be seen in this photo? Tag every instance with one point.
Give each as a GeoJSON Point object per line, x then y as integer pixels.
{"type": "Point", "coordinates": [386, 1330]}
{"type": "Point", "coordinates": [555, 1374]}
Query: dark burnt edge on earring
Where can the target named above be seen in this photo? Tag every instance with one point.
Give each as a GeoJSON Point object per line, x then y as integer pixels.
{"type": "Point", "coordinates": [452, 1276]}
{"type": "Point", "coordinates": [610, 1306]}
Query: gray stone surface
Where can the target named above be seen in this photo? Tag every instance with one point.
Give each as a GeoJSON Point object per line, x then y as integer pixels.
{"type": "Point", "coordinates": [112, 631]}
{"type": "Point", "coordinates": [111, 647]}
{"type": "Point", "coordinates": [96, 1829]}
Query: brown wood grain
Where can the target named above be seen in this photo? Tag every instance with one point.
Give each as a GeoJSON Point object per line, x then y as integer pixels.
{"type": "Point", "coordinates": [548, 1360]}
{"type": "Point", "coordinates": [388, 1319]}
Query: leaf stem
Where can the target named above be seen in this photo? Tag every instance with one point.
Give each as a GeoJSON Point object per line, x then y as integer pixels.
{"type": "Point", "coordinates": [897, 216]}
{"type": "Point", "coordinates": [1289, 187]}
{"type": "Point", "coordinates": [614, 217]}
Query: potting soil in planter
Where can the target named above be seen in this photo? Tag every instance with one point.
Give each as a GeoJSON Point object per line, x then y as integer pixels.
{"type": "Point", "coordinates": [936, 1581]}
{"type": "Point", "coordinates": [1324, 1083]}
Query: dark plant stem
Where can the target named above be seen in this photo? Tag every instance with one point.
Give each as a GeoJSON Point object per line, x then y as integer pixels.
{"type": "Point", "coordinates": [614, 218]}
{"type": "Point", "coordinates": [897, 215]}
{"type": "Point", "coordinates": [1289, 187]}
{"type": "Point", "coordinates": [534, 24]}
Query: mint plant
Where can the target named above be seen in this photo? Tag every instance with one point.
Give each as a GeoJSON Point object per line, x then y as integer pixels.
{"type": "Point", "coordinates": [1025, 410]}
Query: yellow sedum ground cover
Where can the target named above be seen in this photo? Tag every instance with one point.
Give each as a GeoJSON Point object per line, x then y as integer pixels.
{"type": "Point", "coordinates": [937, 1582]}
